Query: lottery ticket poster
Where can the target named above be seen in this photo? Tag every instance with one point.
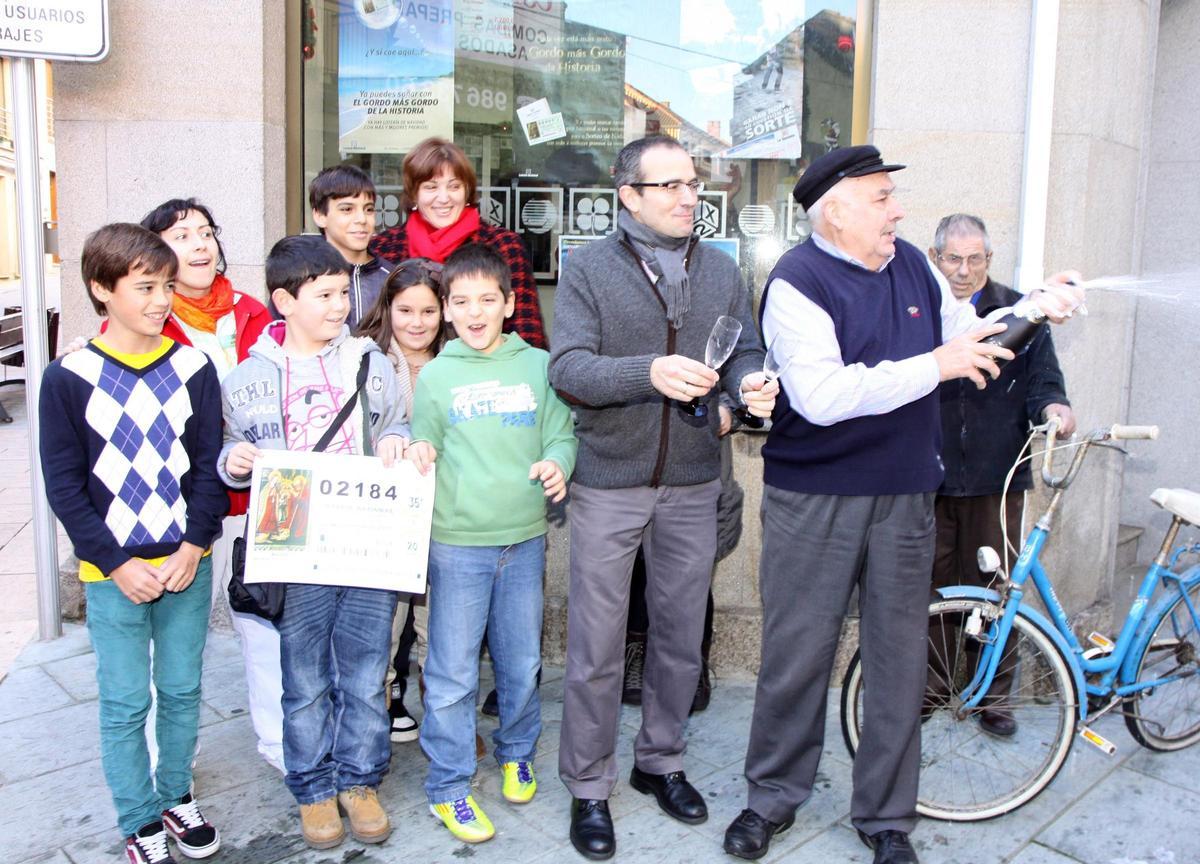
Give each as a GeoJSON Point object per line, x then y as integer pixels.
{"type": "Point", "coordinates": [325, 519]}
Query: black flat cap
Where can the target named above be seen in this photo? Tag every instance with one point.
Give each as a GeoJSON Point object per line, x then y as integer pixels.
{"type": "Point", "coordinates": [827, 170]}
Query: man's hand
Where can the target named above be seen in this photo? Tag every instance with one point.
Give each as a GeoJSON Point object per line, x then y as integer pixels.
{"type": "Point", "coordinates": [725, 424]}
{"type": "Point", "coordinates": [179, 569]}
{"type": "Point", "coordinates": [391, 449]}
{"type": "Point", "coordinates": [139, 581]}
{"type": "Point", "coordinates": [966, 356]}
{"type": "Point", "coordinates": [681, 378]}
{"type": "Point", "coordinates": [759, 394]}
{"type": "Point", "coordinates": [1066, 418]}
{"type": "Point", "coordinates": [552, 477]}
{"type": "Point", "coordinates": [240, 461]}
{"type": "Point", "coordinates": [76, 344]}
{"type": "Point", "coordinates": [421, 454]}
{"type": "Point", "coordinates": [1060, 296]}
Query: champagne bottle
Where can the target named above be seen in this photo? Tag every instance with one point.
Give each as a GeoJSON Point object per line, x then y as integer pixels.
{"type": "Point", "coordinates": [1023, 320]}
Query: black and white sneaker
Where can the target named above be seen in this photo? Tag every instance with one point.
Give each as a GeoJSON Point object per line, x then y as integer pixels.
{"type": "Point", "coordinates": [404, 725]}
{"type": "Point", "coordinates": [193, 834]}
{"type": "Point", "coordinates": [148, 846]}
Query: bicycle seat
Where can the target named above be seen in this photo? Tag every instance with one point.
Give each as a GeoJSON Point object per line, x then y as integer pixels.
{"type": "Point", "coordinates": [1182, 502]}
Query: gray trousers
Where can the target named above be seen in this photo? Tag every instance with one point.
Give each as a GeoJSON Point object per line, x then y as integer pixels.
{"type": "Point", "coordinates": [678, 529]}
{"type": "Point", "coordinates": [815, 549]}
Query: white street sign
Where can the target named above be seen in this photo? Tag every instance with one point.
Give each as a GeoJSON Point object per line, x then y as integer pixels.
{"type": "Point", "coordinates": [55, 29]}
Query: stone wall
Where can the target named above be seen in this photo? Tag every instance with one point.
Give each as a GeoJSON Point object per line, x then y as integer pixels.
{"type": "Point", "coordinates": [184, 105]}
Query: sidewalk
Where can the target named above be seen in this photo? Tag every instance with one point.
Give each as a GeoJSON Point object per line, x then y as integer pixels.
{"type": "Point", "coordinates": [1136, 807]}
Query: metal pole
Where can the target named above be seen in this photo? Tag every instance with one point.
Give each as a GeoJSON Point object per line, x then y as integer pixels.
{"type": "Point", "coordinates": [33, 309]}
{"type": "Point", "coordinates": [1039, 117]}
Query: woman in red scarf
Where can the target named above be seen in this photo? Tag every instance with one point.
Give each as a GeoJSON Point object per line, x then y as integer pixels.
{"type": "Point", "coordinates": [439, 192]}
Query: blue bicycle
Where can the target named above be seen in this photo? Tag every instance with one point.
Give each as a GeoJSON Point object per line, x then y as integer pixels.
{"type": "Point", "coordinates": [989, 650]}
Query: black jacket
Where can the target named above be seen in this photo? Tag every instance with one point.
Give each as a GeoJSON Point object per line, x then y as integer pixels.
{"type": "Point", "coordinates": [984, 430]}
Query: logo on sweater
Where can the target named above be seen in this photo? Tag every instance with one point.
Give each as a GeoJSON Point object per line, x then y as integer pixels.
{"type": "Point", "coordinates": [514, 404]}
{"type": "Point", "coordinates": [914, 312]}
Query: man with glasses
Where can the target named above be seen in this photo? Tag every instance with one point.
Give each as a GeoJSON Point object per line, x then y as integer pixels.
{"type": "Point", "coordinates": [633, 313]}
{"type": "Point", "coordinates": [850, 468]}
{"type": "Point", "coordinates": [983, 431]}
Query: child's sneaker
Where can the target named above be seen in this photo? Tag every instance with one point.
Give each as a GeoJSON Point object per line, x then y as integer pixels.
{"type": "Point", "coordinates": [368, 822]}
{"type": "Point", "coordinates": [193, 834]}
{"type": "Point", "coordinates": [464, 819]}
{"type": "Point", "coordinates": [148, 846]}
{"type": "Point", "coordinates": [519, 782]}
{"type": "Point", "coordinates": [404, 726]}
{"type": "Point", "coordinates": [321, 824]}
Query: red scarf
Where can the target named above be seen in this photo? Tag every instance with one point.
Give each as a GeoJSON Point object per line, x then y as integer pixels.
{"type": "Point", "coordinates": [425, 241]}
{"type": "Point", "coordinates": [202, 313]}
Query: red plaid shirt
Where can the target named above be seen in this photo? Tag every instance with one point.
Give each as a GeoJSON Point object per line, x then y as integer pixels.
{"type": "Point", "coordinates": [526, 320]}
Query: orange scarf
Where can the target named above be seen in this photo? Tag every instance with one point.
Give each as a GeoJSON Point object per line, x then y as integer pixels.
{"type": "Point", "coordinates": [203, 313]}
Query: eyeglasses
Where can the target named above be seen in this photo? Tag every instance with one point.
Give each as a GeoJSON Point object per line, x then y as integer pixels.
{"type": "Point", "coordinates": [675, 187]}
{"type": "Point", "coordinates": [973, 261]}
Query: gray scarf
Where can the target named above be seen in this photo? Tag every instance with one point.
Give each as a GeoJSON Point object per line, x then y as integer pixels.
{"type": "Point", "coordinates": [665, 257]}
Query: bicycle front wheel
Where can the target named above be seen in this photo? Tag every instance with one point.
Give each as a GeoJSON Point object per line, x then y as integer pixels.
{"type": "Point", "coordinates": [967, 774]}
{"type": "Point", "coordinates": [1167, 717]}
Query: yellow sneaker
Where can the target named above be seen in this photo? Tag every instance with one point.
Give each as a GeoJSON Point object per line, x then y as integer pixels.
{"type": "Point", "coordinates": [519, 782]}
{"type": "Point", "coordinates": [464, 819]}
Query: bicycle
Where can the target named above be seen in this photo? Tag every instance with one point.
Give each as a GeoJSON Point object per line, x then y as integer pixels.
{"type": "Point", "coordinates": [1151, 672]}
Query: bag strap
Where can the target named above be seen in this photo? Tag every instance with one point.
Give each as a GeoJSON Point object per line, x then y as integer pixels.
{"type": "Point", "coordinates": [347, 407]}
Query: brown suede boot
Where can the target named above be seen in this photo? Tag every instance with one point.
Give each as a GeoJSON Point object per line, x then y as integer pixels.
{"type": "Point", "coordinates": [321, 825]}
{"type": "Point", "coordinates": [368, 822]}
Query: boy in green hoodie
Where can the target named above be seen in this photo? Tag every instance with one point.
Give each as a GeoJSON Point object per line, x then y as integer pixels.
{"type": "Point", "coordinates": [484, 409]}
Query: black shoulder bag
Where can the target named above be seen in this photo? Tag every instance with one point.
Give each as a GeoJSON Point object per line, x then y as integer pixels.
{"type": "Point", "coordinates": [265, 599]}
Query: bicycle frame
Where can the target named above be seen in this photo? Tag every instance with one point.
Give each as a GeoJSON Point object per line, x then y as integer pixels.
{"type": "Point", "coordinates": [1110, 667]}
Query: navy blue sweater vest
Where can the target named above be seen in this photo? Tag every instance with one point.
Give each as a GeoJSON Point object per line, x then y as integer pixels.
{"type": "Point", "coordinates": [890, 315]}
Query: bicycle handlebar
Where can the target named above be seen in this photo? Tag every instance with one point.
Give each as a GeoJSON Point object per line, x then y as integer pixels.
{"type": "Point", "coordinates": [1115, 432]}
{"type": "Point", "coordinates": [1130, 433]}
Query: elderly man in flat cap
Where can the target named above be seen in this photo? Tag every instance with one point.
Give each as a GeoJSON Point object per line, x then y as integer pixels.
{"type": "Point", "coordinates": [850, 470]}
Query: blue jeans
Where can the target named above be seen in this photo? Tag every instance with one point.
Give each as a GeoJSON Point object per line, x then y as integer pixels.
{"type": "Point", "coordinates": [333, 645]}
{"type": "Point", "coordinates": [121, 632]}
{"type": "Point", "coordinates": [470, 588]}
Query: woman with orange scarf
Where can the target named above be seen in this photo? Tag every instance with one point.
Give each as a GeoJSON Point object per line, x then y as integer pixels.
{"type": "Point", "coordinates": [209, 314]}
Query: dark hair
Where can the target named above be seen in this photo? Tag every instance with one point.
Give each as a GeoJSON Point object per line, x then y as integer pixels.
{"type": "Point", "coordinates": [339, 181]}
{"type": "Point", "coordinates": [166, 214]}
{"type": "Point", "coordinates": [377, 322]}
{"type": "Point", "coordinates": [427, 159]}
{"type": "Point", "coordinates": [299, 259]}
{"type": "Point", "coordinates": [628, 167]}
{"type": "Point", "coordinates": [476, 259]}
{"type": "Point", "coordinates": [113, 252]}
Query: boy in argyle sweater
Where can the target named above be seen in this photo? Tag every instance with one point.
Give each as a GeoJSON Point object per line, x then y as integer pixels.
{"type": "Point", "coordinates": [130, 434]}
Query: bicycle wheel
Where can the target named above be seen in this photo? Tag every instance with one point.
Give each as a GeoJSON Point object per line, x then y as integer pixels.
{"type": "Point", "coordinates": [968, 775]}
{"type": "Point", "coordinates": [1167, 717]}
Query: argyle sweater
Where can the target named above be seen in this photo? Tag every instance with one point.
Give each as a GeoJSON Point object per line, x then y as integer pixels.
{"type": "Point", "coordinates": [129, 456]}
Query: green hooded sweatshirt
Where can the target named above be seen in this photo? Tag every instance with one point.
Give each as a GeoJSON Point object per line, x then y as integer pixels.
{"type": "Point", "coordinates": [490, 417]}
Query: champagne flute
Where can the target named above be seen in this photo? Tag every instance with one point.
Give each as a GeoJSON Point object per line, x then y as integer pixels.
{"type": "Point", "coordinates": [779, 356]}
{"type": "Point", "coordinates": [721, 342]}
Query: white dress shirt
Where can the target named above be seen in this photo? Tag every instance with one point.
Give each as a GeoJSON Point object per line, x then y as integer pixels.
{"type": "Point", "coordinates": [819, 386]}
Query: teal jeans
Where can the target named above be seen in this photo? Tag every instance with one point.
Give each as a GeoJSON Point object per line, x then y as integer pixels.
{"type": "Point", "coordinates": [121, 633]}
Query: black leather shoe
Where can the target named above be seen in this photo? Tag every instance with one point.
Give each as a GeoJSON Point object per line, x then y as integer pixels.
{"type": "Point", "coordinates": [676, 796]}
{"type": "Point", "coordinates": [592, 829]}
{"type": "Point", "coordinates": [749, 835]}
{"type": "Point", "coordinates": [998, 721]}
{"type": "Point", "coordinates": [891, 847]}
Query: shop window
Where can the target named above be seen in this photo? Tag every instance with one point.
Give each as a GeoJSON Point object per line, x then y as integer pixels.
{"type": "Point", "coordinates": [542, 94]}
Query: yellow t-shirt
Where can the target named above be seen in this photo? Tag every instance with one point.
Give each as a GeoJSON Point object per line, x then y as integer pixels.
{"type": "Point", "coordinates": [89, 572]}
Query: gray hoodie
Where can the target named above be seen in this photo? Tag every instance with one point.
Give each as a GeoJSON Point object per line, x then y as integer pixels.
{"type": "Point", "coordinates": [313, 389]}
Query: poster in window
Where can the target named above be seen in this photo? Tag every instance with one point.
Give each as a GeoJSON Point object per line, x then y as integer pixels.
{"type": "Point", "coordinates": [395, 74]}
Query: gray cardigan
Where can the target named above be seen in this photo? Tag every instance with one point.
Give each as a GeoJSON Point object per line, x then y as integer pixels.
{"type": "Point", "coordinates": [610, 323]}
